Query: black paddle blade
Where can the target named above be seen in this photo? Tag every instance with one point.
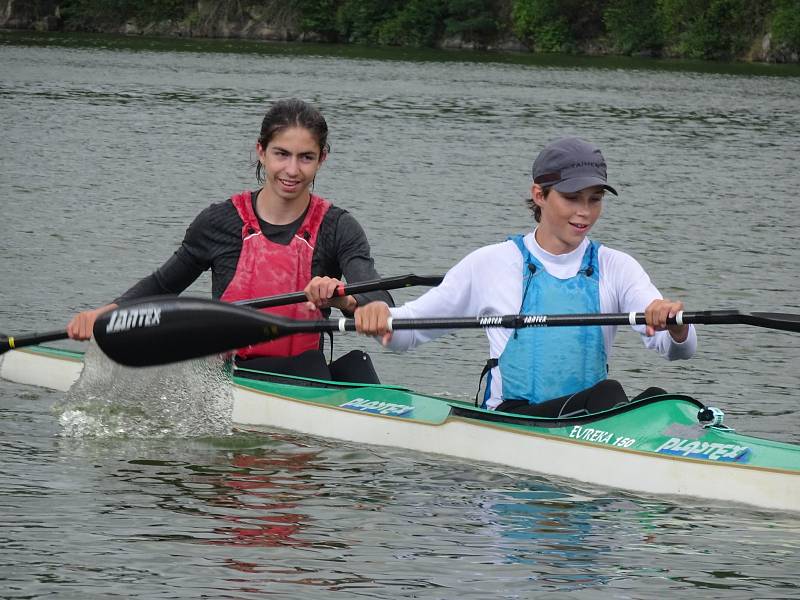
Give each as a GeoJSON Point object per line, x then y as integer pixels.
{"type": "Point", "coordinates": [167, 329]}
{"type": "Point", "coordinates": [782, 321]}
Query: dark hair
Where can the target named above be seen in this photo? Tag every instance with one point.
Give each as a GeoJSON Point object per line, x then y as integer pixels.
{"type": "Point", "coordinates": [284, 114]}
{"type": "Point", "coordinates": [535, 208]}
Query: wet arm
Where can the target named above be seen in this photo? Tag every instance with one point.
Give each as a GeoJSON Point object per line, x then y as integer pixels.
{"type": "Point", "coordinates": [174, 276]}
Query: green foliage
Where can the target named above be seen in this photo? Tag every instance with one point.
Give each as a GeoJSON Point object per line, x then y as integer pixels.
{"type": "Point", "coordinates": [414, 22]}
{"type": "Point", "coordinates": [418, 23]}
{"type": "Point", "coordinates": [359, 21]}
{"type": "Point", "coordinates": [97, 14]}
{"type": "Point", "coordinates": [80, 14]}
{"type": "Point", "coordinates": [474, 20]}
{"type": "Point", "coordinates": [786, 24]}
{"type": "Point", "coordinates": [633, 26]}
{"type": "Point", "coordinates": [318, 16]}
{"type": "Point", "coordinates": [676, 16]}
{"type": "Point", "coordinates": [539, 23]}
{"type": "Point", "coordinates": [557, 25]}
{"type": "Point", "coordinates": [718, 29]}
{"type": "Point", "coordinates": [151, 11]}
{"type": "Point", "coordinates": [37, 9]}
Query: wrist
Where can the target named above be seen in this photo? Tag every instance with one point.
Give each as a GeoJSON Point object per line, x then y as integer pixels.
{"type": "Point", "coordinates": [346, 304]}
{"type": "Point", "coordinates": [680, 334]}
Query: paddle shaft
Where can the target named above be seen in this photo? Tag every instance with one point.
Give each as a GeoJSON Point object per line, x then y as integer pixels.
{"type": "Point", "coordinates": [30, 339]}
{"type": "Point", "coordinates": [779, 321]}
{"type": "Point", "coordinates": [373, 285]}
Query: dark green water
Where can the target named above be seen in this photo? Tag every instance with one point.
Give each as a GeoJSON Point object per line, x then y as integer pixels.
{"type": "Point", "coordinates": [109, 148]}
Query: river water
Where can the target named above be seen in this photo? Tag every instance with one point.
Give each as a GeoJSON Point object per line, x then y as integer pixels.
{"type": "Point", "coordinates": [110, 147]}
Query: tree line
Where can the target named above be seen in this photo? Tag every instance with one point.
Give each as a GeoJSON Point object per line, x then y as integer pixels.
{"type": "Point", "coordinates": [705, 29]}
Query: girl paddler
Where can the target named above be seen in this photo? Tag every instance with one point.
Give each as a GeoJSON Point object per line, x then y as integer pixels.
{"type": "Point", "coordinates": [278, 239]}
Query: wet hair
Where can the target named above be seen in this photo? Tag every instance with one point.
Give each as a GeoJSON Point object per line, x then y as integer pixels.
{"type": "Point", "coordinates": [535, 208]}
{"type": "Point", "coordinates": [284, 114]}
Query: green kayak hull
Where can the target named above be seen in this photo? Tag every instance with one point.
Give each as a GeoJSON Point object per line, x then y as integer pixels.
{"type": "Point", "coordinates": [655, 446]}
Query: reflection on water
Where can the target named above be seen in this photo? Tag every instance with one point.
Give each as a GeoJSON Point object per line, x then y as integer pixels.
{"type": "Point", "coordinates": [545, 531]}
{"type": "Point", "coordinates": [277, 513]}
{"type": "Point", "coordinates": [261, 498]}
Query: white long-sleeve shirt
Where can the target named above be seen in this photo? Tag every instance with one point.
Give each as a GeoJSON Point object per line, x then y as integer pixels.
{"type": "Point", "coordinates": [489, 281]}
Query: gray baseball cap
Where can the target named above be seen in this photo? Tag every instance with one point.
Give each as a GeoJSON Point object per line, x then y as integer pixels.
{"type": "Point", "coordinates": [570, 165]}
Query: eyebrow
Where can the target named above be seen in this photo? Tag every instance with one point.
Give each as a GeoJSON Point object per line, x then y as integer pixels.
{"type": "Point", "coordinates": [306, 153]}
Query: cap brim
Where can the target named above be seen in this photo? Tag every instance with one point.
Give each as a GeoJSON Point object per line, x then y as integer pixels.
{"type": "Point", "coordinates": [570, 186]}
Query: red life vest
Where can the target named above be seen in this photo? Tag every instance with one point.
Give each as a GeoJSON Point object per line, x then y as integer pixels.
{"type": "Point", "coordinates": [266, 269]}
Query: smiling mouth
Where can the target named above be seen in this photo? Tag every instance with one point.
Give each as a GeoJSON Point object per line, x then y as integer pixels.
{"type": "Point", "coordinates": [289, 183]}
{"type": "Point", "coordinates": [579, 226]}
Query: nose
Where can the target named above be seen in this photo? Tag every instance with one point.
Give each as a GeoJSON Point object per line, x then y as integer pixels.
{"type": "Point", "coordinates": [583, 206]}
{"type": "Point", "coordinates": [292, 165]}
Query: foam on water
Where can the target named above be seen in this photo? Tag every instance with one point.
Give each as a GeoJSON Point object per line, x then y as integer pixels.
{"type": "Point", "coordinates": [188, 399]}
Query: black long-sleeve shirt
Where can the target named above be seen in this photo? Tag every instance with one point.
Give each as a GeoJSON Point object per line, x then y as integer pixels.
{"type": "Point", "coordinates": [214, 241]}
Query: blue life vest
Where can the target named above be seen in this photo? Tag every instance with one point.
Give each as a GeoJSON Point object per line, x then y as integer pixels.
{"type": "Point", "coordinates": [541, 363]}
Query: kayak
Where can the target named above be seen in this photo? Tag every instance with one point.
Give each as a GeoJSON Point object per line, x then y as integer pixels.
{"type": "Point", "coordinates": [663, 446]}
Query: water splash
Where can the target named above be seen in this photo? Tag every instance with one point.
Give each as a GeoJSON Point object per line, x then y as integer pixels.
{"type": "Point", "coordinates": [188, 399]}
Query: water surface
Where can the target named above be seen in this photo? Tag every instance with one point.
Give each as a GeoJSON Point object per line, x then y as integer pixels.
{"type": "Point", "coordinates": [109, 149]}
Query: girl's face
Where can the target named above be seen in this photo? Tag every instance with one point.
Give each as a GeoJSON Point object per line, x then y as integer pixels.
{"type": "Point", "coordinates": [291, 161]}
{"type": "Point", "coordinates": [566, 217]}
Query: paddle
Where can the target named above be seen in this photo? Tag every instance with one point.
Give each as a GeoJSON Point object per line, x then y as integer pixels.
{"type": "Point", "coordinates": [168, 329]}
{"type": "Point", "coordinates": [387, 283]}
{"type": "Point", "coordinates": [29, 339]}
